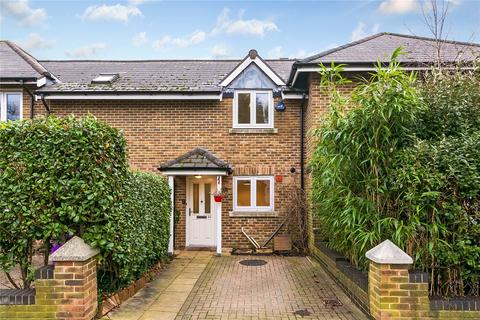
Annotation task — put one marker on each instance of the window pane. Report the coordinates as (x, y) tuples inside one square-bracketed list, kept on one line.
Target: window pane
[(244, 108), (261, 106), (207, 198), (243, 193), (196, 198), (13, 106), (263, 193)]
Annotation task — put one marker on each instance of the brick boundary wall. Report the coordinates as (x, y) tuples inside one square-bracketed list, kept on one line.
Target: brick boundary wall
[(352, 281), (392, 290), (67, 290), (396, 292)]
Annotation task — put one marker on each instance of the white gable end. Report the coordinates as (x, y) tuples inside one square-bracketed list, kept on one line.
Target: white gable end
[(252, 58)]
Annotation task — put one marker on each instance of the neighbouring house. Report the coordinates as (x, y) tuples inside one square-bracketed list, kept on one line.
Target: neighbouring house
[(236, 126)]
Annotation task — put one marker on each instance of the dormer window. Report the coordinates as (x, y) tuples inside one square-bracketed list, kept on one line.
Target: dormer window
[(253, 109), (106, 78)]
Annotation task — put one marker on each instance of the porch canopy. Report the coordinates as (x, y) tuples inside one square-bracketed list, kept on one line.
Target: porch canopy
[(197, 162)]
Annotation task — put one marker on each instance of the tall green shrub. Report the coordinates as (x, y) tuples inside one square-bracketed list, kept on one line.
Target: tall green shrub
[(400, 159), (437, 181), (356, 145), (57, 176), (69, 176), (139, 229)]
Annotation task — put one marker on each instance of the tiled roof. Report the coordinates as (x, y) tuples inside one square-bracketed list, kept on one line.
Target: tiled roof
[(381, 46), (17, 63), (198, 158), (153, 75)]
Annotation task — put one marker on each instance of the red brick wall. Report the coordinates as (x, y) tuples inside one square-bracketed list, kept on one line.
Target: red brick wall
[(317, 108), (158, 131)]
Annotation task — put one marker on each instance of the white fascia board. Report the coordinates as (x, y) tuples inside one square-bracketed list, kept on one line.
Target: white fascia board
[(133, 97), (316, 69), (194, 173), (293, 96), (359, 69), (262, 65)]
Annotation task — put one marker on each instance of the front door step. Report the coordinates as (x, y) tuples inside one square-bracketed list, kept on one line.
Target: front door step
[(202, 248)]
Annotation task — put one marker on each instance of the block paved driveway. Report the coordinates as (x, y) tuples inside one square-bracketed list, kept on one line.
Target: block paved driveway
[(222, 288), (284, 288)]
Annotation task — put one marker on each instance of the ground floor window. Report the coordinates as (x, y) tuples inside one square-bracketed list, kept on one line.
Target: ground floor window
[(253, 193), (10, 106)]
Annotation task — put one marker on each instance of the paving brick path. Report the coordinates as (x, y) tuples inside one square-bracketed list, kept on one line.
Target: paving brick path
[(284, 288), (198, 285)]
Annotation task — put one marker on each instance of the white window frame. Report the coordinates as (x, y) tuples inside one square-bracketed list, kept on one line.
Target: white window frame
[(253, 193), (253, 114), (3, 104)]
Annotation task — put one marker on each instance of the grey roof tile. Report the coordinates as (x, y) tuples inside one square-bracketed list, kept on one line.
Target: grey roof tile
[(381, 46), (17, 63), (146, 76), (197, 158)]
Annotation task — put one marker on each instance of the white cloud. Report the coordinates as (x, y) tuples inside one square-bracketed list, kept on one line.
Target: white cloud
[(300, 54), (220, 51), (398, 6), (359, 31), (137, 2), (278, 52), (275, 53), (22, 12), (87, 51), (116, 12), (252, 27), (35, 41), (139, 39), (180, 42)]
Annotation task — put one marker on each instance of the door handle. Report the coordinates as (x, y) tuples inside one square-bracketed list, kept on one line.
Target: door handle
[(189, 211)]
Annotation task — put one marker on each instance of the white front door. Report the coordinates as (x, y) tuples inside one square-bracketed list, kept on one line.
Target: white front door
[(200, 209)]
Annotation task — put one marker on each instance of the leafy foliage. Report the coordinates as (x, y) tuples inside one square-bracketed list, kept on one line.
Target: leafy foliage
[(57, 177), (69, 176), (399, 159), (139, 229)]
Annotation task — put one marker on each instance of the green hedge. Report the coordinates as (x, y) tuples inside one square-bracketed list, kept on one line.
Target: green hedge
[(57, 177), (139, 227), (67, 176), (399, 159)]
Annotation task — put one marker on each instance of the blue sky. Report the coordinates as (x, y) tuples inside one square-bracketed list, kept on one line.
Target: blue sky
[(148, 29)]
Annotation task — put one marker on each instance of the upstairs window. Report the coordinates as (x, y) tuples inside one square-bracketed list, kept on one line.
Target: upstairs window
[(252, 109), (10, 106)]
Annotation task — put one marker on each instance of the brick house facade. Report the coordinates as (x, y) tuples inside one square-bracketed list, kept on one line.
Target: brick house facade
[(232, 109)]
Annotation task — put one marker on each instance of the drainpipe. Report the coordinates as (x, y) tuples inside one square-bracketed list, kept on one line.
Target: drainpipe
[(45, 104), (302, 142)]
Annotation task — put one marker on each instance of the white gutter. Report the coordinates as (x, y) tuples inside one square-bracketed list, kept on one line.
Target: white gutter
[(132, 97), (359, 69), (293, 96), (193, 172)]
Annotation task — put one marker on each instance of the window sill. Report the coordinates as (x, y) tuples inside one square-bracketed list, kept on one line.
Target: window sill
[(253, 130), (253, 214)]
